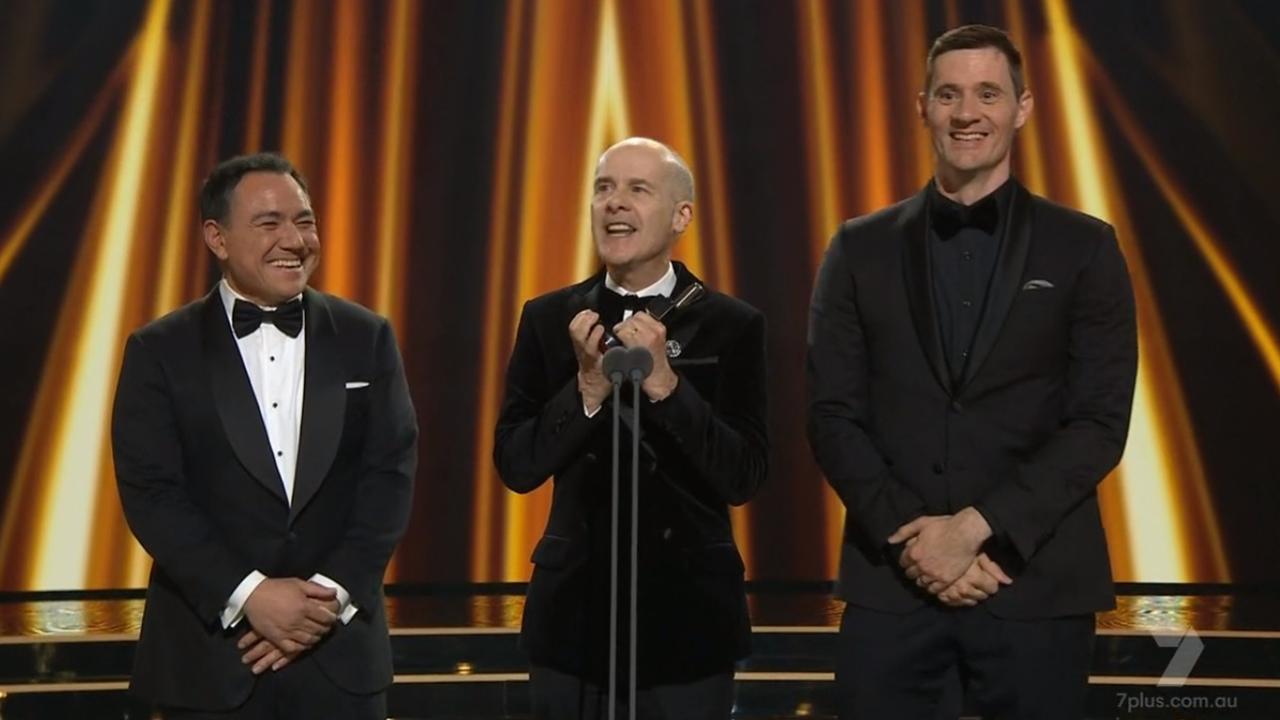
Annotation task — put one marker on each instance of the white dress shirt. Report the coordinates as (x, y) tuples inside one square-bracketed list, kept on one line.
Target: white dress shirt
[(275, 364)]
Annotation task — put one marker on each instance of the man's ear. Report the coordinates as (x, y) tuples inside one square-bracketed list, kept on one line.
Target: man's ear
[(682, 216), (214, 239), (1025, 105)]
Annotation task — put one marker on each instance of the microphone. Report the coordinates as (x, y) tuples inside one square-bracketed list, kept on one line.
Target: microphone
[(619, 364), (616, 364), (639, 363)]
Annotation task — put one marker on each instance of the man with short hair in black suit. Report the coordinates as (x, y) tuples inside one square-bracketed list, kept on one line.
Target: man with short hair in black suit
[(265, 446), (971, 365), (703, 448)]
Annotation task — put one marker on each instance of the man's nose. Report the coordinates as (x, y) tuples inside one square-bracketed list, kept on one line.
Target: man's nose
[(966, 110), (290, 236), (615, 201)]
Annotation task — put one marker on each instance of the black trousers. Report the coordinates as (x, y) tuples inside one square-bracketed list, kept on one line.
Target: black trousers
[(560, 696), (914, 665), (298, 691)]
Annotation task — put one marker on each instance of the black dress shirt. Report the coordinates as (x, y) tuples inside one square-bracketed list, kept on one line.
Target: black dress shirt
[(964, 242)]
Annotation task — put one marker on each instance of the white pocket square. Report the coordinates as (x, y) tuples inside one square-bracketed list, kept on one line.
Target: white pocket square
[(1037, 285), (357, 385)]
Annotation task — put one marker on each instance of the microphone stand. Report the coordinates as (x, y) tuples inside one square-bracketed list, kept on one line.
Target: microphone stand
[(613, 366), (634, 364), (641, 364)]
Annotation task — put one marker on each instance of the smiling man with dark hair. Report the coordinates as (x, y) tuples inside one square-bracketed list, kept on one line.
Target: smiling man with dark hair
[(971, 364), (265, 447)]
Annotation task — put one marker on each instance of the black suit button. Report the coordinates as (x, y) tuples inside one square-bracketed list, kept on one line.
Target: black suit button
[(938, 468), (956, 406), (292, 537), (666, 533), (591, 457)]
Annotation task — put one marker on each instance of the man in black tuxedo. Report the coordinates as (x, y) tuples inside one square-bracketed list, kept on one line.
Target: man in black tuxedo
[(972, 354), (704, 447), (265, 446)]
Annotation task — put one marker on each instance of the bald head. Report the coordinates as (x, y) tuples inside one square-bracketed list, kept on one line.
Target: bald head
[(679, 177)]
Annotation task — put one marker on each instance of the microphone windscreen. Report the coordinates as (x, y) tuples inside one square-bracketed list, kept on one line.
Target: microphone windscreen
[(640, 363), (616, 364)]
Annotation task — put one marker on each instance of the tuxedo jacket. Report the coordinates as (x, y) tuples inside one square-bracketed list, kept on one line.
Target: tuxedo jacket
[(704, 448), (1038, 419), (201, 491)]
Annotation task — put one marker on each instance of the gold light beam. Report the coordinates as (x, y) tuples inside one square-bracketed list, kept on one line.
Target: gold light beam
[(485, 561), (15, 239), (394, 182), (717, 221), (178, 245), (659, 100), (822, 154), (397, 144), (1030, 147), (1149, 483), (607, 119), (609, 122), (255, 112), (296, 131), (913, 30), (1251, 314), (820, 143), (342, 181), (876, 175), (62, 541)]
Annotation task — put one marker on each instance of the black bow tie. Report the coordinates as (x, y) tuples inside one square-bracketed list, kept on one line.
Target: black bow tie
[(247, 317), (634, 303), (949, 217), (615, 304)]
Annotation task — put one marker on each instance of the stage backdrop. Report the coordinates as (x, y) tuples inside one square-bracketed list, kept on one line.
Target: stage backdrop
[(450, 144)]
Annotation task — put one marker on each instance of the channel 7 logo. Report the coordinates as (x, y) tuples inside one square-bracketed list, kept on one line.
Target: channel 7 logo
[(1189, 646)]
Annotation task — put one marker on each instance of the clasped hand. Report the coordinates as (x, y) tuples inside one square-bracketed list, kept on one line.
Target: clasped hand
[(287, 617), (943, 556), (639, 330)]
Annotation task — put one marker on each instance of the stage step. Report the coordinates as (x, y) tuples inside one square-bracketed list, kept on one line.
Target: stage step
[(456, 656)]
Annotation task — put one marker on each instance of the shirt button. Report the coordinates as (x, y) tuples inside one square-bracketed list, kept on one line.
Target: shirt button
[(275, 405), (272, 358), (279, 453)]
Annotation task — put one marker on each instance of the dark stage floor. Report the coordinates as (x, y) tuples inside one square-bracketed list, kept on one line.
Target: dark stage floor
[(68, 655)]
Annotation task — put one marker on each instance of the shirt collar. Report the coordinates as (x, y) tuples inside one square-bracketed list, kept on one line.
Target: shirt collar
[(1001, 195), (230, 296), (665, 285)]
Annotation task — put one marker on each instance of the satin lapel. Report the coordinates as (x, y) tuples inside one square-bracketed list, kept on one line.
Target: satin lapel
[(234, 399), (1006, 281), (917, 274), (588, 299), (324, 403)]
